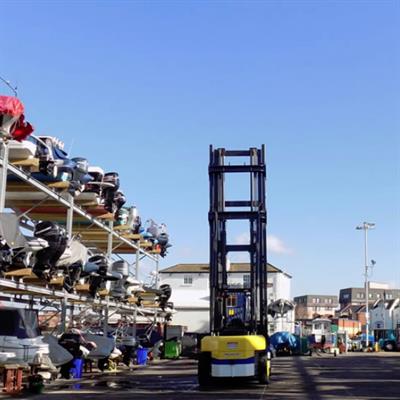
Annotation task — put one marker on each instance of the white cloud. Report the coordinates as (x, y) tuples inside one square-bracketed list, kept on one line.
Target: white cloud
[(274, 244)]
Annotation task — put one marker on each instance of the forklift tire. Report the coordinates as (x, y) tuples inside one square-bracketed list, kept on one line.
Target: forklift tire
[(263, 370), (204, 369)]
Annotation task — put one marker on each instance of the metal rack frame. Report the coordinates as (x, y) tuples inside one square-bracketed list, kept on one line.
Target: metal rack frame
[(13, 288)]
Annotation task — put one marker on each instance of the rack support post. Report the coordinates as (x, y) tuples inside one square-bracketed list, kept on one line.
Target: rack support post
[(3, 174)]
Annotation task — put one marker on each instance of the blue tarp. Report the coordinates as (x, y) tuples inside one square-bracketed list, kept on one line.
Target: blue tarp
[(287, 338), (371, 338)]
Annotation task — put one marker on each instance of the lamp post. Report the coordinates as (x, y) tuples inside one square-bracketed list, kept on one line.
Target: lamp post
[(365, 227)]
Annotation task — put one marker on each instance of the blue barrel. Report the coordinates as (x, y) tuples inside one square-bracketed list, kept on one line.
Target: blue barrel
[(141, 355), (77, 368)]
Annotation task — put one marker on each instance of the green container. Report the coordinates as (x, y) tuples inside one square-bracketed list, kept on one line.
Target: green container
[(172, 349), (304, 348)]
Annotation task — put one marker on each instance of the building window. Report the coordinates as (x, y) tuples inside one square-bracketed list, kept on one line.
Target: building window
[(318, 300), (314, 300), (330, 301), (388, 296), (231, 301), (246, 281), (346, 296), (317, 326), (188, 280), (378, 295)]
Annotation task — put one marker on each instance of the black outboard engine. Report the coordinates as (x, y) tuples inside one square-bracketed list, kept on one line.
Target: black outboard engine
[(165, 295), (112, 178), (119, 200), (96, 281), (72, 275), (46, 259), (6, 255)]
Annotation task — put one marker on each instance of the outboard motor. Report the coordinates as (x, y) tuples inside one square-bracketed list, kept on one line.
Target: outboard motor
[(71, 262), (53, 160), (165, 295), (80, 175), (122, 216), (47, 258), (118, 287), (119, 200), (159, 236), (6, 255), (163, 237), (96, 279), (134, 220), (97, 268), (95, 185), (112, 179)]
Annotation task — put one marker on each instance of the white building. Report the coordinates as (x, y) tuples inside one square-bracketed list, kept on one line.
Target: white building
[(191, 293), (385, 314)]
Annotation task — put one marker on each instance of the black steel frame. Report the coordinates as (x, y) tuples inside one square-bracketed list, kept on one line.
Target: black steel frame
[(218, 216)]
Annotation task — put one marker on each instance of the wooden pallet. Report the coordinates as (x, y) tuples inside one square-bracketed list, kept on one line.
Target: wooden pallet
[(20, 273)]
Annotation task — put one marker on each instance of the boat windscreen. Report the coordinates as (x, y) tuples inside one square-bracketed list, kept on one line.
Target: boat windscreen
[(10, 231), (20, 323)]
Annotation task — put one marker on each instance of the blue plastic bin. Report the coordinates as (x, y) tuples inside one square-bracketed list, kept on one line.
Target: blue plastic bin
[(77, 368), (142, 356)]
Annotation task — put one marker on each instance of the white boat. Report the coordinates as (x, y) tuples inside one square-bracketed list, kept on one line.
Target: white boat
[(19, 334), (23, 150)]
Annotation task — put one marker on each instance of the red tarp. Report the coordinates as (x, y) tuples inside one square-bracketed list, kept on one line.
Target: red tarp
[(11, 106), (23, 129)]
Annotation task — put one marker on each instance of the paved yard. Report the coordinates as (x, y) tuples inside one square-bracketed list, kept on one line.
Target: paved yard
[(353, 376)]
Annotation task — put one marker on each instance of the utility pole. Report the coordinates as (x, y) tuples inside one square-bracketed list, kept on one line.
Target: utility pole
[(365, 227)]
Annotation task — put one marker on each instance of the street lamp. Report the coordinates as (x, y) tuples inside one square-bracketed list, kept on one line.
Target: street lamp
[(365, 227)]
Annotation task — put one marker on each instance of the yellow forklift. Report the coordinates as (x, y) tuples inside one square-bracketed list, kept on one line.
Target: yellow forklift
[(237, 344)]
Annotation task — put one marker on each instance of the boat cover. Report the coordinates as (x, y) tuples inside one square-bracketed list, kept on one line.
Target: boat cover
[(285, 338), (11, 106), (14, 108), (19, 322), (22, 130)]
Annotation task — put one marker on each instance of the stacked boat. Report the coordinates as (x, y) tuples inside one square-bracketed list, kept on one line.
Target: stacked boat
[(78, 263)]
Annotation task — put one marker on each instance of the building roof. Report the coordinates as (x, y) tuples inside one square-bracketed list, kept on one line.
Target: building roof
[(352, 309), (317, 295), (235, 267)]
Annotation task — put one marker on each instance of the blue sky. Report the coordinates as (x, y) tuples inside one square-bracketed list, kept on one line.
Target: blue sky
[(143, 88)]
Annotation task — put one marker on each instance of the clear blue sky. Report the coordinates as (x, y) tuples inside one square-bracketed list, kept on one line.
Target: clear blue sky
[(144, 87)]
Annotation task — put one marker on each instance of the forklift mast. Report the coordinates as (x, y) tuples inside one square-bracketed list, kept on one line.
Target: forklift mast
[(221, 211)]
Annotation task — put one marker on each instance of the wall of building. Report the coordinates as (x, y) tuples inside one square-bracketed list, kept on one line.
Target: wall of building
[(195, 320), (191, 300)]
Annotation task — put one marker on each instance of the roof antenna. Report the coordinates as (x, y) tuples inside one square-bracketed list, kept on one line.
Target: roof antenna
[(70, 147), (8, 83)]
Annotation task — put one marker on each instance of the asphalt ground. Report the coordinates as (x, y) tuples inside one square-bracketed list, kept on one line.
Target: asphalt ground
[(353, 376)]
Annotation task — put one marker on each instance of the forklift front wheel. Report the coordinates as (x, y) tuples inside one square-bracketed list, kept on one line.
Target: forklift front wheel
[(264, 370), (204, 369)]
